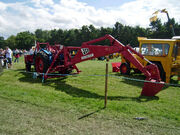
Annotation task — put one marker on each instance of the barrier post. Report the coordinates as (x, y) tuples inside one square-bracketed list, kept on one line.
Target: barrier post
[(106, 86), (1, 66)]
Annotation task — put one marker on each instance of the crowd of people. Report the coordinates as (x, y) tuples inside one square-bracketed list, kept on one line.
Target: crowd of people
[(8, 56)]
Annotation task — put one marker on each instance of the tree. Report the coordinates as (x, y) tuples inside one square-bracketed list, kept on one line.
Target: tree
[(11, 42), (2, 42), (177, 28), (159, 30), (25, 40), (42, 36), (94, 33), (85, 33), (170, 27), (57, 36), (138, 32), (75, 37)]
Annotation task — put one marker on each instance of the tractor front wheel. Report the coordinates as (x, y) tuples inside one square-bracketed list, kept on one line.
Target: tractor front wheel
[(125, 69)]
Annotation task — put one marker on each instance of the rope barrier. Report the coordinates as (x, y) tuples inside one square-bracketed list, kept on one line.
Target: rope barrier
[(120, 77), (139, 80), (35, 74)]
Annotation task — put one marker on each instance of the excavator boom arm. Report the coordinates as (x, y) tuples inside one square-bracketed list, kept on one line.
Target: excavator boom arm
[(88, 51)]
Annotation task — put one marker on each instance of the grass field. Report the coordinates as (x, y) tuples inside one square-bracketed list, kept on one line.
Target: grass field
[(74, 105)]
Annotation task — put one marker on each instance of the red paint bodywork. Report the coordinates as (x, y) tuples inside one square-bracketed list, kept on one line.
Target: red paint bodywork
[(89, 51)]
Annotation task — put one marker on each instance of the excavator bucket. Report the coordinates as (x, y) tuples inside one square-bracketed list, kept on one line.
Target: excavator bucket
[(151, 87), (152, 84)]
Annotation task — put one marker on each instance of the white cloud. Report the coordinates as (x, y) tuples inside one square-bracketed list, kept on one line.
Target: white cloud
[(2, 6), (66, 14), (40, 3)]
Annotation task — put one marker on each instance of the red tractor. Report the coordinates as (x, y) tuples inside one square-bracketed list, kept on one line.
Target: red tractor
[(61, 59)]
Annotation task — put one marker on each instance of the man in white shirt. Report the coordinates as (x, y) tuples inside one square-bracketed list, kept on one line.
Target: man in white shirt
[(8, 53)]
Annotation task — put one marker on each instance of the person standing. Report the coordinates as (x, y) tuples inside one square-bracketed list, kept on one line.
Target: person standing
[(8, 53), (16, 55), (1, 57)]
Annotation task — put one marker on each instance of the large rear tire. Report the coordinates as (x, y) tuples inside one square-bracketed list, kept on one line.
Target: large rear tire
[(125, 69), (41, 62), (161, 71)]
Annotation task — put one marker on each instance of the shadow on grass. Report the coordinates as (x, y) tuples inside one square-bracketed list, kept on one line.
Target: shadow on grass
[(91, 113), (172, 81), (132, 76), (139, 99), (137, 83), (60, 85), (30, 103)]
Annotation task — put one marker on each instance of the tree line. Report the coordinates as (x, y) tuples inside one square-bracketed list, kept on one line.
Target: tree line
[(75, 37)]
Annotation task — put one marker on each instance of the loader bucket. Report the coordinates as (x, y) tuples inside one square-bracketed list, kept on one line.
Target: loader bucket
[(151, 88)]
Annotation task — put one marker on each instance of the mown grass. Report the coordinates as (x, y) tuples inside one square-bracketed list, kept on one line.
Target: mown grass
[(74, 105)]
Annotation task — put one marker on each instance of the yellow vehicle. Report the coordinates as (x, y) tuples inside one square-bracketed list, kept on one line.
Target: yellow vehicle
[(165, 53)]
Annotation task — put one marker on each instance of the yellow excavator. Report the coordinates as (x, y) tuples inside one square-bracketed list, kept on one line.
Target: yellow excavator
[(165, 53)]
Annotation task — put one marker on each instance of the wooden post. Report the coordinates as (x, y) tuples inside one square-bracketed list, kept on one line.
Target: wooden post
[(1, 66), (106, 86)]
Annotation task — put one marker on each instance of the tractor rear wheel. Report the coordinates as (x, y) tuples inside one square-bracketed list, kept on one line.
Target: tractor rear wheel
[(125, 69), (41, 62)]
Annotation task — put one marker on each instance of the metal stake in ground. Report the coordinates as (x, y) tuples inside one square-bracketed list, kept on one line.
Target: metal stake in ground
[(106, 85)]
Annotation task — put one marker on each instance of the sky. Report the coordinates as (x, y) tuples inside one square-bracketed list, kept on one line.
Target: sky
[(28, 15)]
